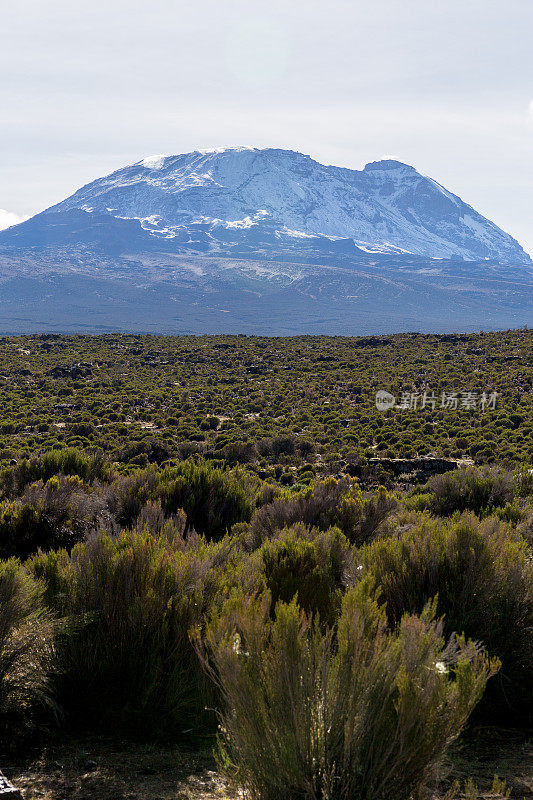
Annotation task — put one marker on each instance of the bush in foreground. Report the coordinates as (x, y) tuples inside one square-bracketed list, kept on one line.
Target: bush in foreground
[(27, 633), (482, 574), (125, 657), (357, 713)]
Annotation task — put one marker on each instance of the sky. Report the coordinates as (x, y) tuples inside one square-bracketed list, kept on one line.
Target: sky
[(88, 87)]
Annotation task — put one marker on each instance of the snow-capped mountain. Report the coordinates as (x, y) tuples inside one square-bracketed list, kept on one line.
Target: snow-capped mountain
[(262, 241), (386, 207)]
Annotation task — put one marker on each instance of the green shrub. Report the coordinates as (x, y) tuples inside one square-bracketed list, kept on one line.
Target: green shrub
[(325, 504), (359, 713), (126, 658), (213, 499), (69, 461), (27, 632), (483, 577), (511, 513), (469, 791), (148, 450), (307, 563), (471, 489), (24, 528)]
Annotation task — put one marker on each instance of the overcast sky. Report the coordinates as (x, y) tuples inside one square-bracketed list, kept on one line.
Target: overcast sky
[(88, 86)]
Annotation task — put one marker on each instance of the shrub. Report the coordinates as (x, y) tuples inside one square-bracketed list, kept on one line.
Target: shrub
[(326, 504), (69, 461), (148, 450), (213, 499), (153, 519), (277, 447), (25, 528), (525, 528), (483, 577), (49, 515), (469, 791), (471, 489), (239, 452), (27, 633), (129, 493), (126, 658), (359, 713), (307, 563)]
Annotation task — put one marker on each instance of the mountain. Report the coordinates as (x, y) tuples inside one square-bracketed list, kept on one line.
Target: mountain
[(270, 240), (388, 206)]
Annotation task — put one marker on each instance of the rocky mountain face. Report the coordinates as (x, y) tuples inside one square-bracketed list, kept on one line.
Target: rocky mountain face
[(234, 234)]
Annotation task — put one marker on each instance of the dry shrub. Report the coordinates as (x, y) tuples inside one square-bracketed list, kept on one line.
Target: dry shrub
[(129, 493), (153, 519), (49, 515), (326, 504), (358, 712)]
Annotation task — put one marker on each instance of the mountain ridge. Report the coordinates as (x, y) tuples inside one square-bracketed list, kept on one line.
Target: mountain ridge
[(387, 206), (261, 241)]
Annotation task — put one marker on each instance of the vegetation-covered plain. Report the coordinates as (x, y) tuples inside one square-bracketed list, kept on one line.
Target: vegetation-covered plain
[(306, 402), (207, 542)]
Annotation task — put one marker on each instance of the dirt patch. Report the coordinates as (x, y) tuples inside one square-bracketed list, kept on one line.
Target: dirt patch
[(98, 768), (488, 751)]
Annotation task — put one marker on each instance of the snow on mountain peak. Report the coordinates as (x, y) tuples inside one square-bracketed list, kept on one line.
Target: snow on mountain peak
[(153, 162), (389, 206), (218, 150)]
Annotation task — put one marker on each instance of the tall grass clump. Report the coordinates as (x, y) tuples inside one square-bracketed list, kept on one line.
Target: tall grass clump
[(358, 712), (27, 634), (482, 575), (129, 603)]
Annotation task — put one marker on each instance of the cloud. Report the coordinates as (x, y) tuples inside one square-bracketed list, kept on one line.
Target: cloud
[(7, 219)]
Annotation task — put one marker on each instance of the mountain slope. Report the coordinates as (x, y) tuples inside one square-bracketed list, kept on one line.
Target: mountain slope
[(386, 207), (261, 241)]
